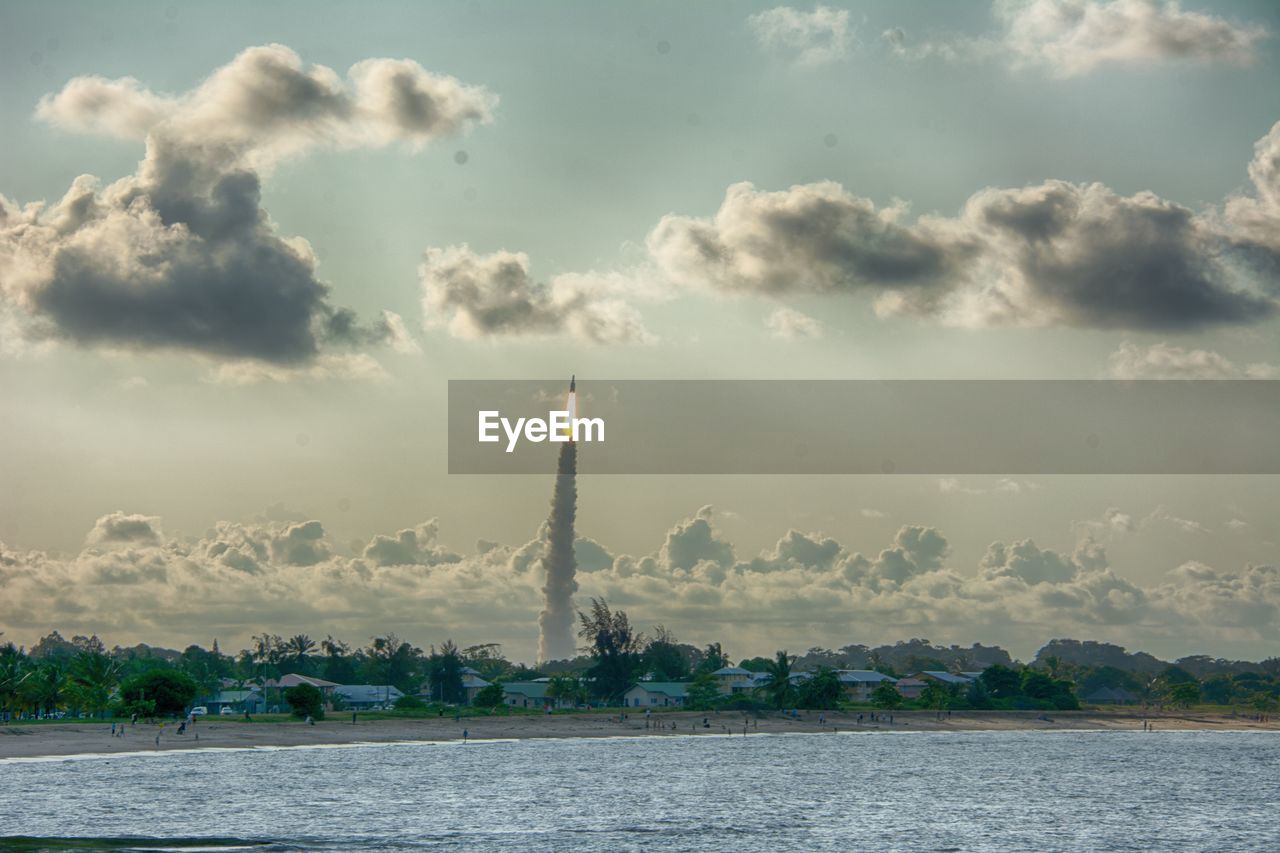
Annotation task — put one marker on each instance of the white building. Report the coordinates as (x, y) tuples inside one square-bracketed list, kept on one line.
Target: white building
[(656, 694)]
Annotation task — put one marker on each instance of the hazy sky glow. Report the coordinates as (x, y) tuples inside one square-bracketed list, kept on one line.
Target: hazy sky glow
[(243, 248)]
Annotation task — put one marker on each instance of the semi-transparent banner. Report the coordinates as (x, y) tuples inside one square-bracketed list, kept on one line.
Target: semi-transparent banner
[(866, 427)]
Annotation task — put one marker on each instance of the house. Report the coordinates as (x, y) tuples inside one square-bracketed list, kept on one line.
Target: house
[(472, 684), (239, 701), (660, 694), (948, 678), (363, 697), (910, 688), (531, 694), (293, 679), (732, 678), (859, 684)]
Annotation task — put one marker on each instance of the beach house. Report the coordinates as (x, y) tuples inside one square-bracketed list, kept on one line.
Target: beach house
[(660, 694), (531, 694), (364, 697), (950, 679), (859, 684), (730, 679), (472, 684)]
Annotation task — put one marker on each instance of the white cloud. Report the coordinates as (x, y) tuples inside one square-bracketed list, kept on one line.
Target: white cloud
[(1166, 361), (809, 38), (789, 324), (181, 255), (132, 583), (1075, 37), (494, 295), (1072, 38)]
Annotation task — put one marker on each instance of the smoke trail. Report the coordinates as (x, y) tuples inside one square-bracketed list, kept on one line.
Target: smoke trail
[(555, 622)]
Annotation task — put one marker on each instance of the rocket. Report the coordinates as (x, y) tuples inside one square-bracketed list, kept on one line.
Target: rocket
[(571, 405)]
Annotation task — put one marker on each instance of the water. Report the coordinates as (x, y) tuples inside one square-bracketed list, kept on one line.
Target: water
[(947, 791)]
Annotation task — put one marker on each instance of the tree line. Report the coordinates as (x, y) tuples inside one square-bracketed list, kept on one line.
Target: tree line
[(81, 676)]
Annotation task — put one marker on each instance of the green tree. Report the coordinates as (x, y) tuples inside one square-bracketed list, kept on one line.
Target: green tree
[(1184, 694), (566, 688), (297, 650), (338, 665), (489, 697), (305, 700), (703, 692), (444, 674), (937, 695), (664, 658), (392, 661), (821, 690), (45, 686), (1037, 684), (1001, 681), (614, 647), (13, 669), (886, 696), (166, 692), (778, 688), (93, 676), (713, 658)]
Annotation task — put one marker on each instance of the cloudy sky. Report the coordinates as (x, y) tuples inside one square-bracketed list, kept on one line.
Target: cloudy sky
[(242, 250)]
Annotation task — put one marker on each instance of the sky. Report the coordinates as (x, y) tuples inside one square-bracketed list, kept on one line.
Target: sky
[(244, 247)]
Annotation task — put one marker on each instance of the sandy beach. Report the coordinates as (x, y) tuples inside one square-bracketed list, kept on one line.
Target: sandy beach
[(83, 737)]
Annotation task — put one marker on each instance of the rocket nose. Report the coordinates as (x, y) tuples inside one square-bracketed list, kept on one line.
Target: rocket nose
[(572, 380)]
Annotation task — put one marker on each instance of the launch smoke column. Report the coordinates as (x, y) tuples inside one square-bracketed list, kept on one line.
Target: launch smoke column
[(555, 622)]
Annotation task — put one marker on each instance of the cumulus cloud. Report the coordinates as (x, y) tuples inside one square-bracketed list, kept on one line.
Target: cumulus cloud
[(809, 38), (413, 546), (1166, 361), (117, 527), (131, 582), (814, 238), (1051, 254), (494, 295), (789, 324), (181, 255), (1072, 38)]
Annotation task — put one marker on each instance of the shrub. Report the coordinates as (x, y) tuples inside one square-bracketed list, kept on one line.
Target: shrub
[(165, 692), (305, 701), (409, 703), (489, 697)]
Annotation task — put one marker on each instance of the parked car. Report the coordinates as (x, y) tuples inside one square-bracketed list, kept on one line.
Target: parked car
[(226, 711), (199, 711)]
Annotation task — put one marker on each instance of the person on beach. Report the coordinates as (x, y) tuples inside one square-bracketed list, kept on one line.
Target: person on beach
[(465, 735), (113, 729), (353, 716)]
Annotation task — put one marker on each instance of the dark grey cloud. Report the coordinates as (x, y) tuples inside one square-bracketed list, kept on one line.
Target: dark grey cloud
[(814, 238), (182, 255), (1055, 253), (1085, 256)]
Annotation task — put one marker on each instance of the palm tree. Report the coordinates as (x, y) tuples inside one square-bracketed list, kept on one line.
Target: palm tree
[(778, 687), (299, 647), (13, 669), (44, 687), (93, 676)]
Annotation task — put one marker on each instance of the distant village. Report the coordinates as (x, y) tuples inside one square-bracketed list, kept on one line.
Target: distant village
[(619, 668)]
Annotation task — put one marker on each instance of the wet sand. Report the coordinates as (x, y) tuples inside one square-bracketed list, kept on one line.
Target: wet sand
[(83, 737)]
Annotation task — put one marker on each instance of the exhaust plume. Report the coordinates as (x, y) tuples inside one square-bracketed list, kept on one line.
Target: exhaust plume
[(555, 622)]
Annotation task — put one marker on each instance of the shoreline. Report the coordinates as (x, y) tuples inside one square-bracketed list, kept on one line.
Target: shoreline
[(93, 739)]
